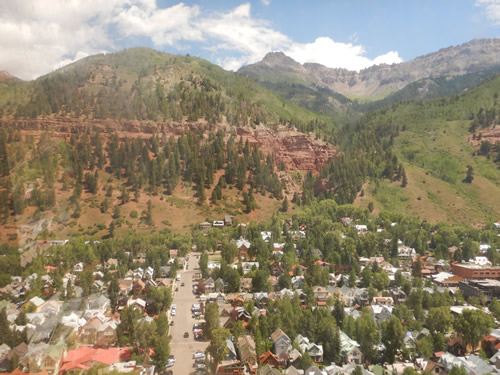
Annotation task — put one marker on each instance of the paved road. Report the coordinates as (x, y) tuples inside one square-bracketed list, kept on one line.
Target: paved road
[(184, 348)]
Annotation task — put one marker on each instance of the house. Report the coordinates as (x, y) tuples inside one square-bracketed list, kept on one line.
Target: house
[(282, 343), (315, 352), (297, 282), (266, 236), (346, 221), (381, 313), (228, 220), (36, 302), (269, 359), (138, 287), (349, 349), (267, 369), (4, 350), (231, 351), (83, 358), (243, 246), (320, 294), (322, 264), (455, 347), (125, 286), (261, 299), (313, 370), (248, 266), (78, 267), (246, 284), (106, 334), (275, 268), (496, 225), (387, 301), (209, 285), (361, 228), (406, 252), (246, 349), (361, 296), (111, 263), (472, 364), (230, 367)]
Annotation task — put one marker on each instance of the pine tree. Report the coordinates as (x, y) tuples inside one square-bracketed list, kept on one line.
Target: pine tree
[(149, 214), (284, 207), (470, 175)]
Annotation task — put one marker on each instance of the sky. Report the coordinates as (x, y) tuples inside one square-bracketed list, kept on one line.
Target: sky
[(39, 36)]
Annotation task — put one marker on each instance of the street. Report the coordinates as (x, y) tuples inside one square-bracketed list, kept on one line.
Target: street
[(183, 348)]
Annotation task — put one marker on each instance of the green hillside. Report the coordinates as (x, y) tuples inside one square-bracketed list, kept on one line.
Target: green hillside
[(144, 84), (434, 145)]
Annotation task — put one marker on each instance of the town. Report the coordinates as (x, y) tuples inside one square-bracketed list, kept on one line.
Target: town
[(330, 291)]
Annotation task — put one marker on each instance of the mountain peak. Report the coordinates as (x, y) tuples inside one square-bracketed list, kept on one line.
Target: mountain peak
[(279, 59), (6, 77)]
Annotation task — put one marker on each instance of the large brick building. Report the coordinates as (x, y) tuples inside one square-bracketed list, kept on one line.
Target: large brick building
[(475, 271)]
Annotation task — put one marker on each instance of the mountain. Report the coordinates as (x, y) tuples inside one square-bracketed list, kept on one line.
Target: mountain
[(8, 79), (439, 140), (438, 72), (115, 132)]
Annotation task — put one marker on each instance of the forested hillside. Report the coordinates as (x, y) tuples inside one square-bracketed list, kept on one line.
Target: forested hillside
[(143, 140), (452, 174)]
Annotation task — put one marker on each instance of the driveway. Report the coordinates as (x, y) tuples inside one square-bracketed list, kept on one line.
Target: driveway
[(184, 348)]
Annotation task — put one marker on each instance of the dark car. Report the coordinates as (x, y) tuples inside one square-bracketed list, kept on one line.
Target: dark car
[(186, 335), (182, 284)]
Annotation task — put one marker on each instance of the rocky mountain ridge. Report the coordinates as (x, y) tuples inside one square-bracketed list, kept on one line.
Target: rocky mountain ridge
[(380, 80)]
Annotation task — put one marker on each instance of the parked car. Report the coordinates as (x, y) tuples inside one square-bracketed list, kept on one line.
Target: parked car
[(172, 323), (182, 284), (198, 355), (186, 335)]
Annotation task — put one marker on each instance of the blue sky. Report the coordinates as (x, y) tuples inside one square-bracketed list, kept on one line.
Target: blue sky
[(39, 36)]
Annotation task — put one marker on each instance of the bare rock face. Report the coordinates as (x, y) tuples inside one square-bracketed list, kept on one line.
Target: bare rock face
[(470, 57), (297, 150)]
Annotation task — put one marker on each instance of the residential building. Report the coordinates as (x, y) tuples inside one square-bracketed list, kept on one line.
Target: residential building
[(282, 343)]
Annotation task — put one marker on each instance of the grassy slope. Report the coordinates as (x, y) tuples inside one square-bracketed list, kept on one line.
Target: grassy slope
[(436, 153)]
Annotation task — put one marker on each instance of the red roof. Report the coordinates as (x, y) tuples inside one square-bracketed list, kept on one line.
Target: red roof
[(84, 357)]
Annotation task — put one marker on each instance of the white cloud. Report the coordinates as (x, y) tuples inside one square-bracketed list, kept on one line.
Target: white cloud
[(332, 54), (238, 31), (492, 8), (38, 37), (265, 2), (164, 26)]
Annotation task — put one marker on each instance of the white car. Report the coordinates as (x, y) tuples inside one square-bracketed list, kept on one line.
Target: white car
[(171, 361), (199, 355), (173, 312), (174, 306)]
